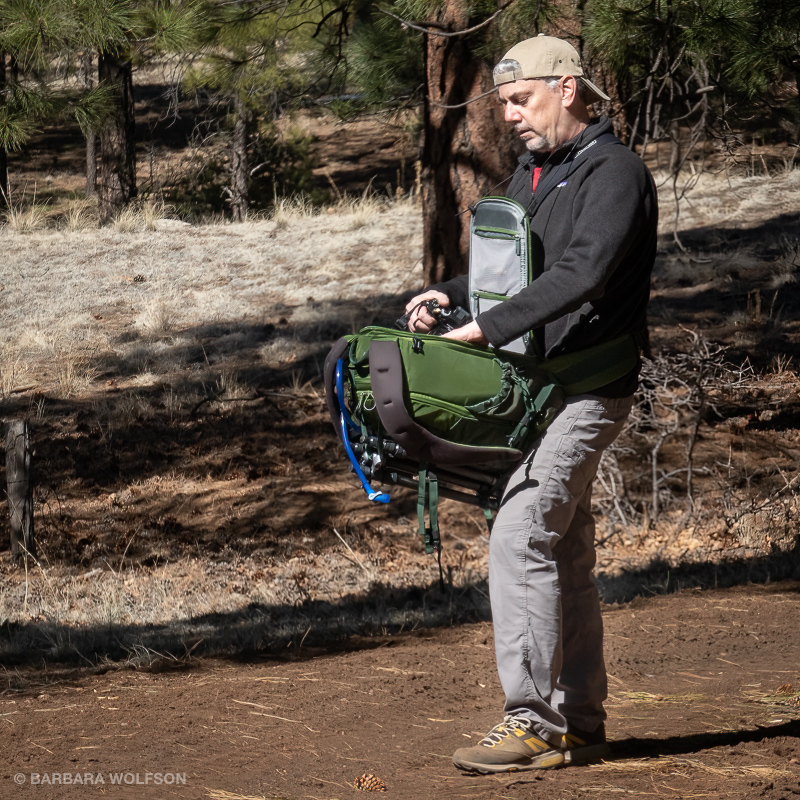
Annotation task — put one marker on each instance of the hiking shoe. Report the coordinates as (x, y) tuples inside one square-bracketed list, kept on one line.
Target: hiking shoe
[(511, 746), (581, 748)]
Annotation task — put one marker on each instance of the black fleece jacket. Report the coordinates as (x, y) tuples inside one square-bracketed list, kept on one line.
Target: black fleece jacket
[(595, 239)]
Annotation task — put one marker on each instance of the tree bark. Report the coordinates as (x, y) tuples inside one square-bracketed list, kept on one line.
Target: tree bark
[(4, 189), (116, 178), (91, 136), (238, 187), (20, 498), (465, 152)]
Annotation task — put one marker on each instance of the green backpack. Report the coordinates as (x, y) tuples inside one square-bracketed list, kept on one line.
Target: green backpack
[(448, 418)]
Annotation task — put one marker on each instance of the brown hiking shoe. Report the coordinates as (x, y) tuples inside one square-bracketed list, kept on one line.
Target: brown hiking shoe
[(581, 748), (511, 746)]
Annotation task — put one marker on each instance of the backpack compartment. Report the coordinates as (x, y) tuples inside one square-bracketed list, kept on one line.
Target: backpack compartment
[(500, 257), (465, 395)]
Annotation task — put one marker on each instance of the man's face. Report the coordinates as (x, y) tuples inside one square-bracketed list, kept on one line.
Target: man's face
[(536, 111)]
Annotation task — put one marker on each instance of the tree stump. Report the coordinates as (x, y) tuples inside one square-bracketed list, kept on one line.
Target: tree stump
[(20, 496)]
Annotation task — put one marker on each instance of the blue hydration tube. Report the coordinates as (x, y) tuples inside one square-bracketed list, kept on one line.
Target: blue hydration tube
[(346, 420)]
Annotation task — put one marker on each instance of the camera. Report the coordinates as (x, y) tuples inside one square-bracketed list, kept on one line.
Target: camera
[(447, 319)]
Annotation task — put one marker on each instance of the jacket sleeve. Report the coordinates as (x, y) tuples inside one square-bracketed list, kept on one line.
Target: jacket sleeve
[(607, 211), (457, 289)]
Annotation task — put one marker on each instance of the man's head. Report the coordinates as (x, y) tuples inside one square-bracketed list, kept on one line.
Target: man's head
[(541, 84)]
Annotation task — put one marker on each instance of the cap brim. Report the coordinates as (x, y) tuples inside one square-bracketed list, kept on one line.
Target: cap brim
[(593, 94)]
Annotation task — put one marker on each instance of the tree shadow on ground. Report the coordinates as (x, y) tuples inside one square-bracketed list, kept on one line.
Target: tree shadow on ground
[(106, 450), (315, 627), (697, 742)]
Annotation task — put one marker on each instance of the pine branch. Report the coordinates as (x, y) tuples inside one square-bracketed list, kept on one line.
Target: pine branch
[(429, 28)]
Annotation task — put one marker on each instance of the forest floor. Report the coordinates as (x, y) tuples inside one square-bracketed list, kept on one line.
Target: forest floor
[(215, 599)]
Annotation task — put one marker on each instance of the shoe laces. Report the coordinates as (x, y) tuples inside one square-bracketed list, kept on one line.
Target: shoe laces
[(509, 724)]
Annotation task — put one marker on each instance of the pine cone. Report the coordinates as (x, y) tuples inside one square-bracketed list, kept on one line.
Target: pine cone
[(369, 783)]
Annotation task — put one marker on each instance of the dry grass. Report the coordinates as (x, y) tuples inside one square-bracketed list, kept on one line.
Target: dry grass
[(786, 695), (717, 199), (80, 215), (687, 766), (75, 370), (362, 210), (157, 318), (288, 211), (647, 697), (150, 302), (168, 289), (25, 218), (141, 215), (12, 370)]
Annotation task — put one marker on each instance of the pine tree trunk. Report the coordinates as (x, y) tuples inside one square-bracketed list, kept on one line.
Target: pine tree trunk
[(238, 187), (4, 189), (465, 152), (20, 498), (91, 164), (116, 178), (91, 136)]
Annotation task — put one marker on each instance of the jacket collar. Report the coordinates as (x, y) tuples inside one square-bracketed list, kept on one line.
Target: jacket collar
[(597, 126)]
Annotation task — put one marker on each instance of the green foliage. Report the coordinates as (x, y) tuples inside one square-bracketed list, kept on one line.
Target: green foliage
[(698, 61), (385, 61), (15, 129), (521, 20), (23, 108), (284, 166), (31, 29), (176, 27), (105, 25), (766, 46), (258, 61), (92, 107)]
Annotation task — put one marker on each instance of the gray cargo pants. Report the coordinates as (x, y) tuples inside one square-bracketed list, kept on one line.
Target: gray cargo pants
[(546, 612)]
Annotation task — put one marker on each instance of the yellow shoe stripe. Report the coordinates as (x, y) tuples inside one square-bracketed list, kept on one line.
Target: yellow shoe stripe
[(536, 744)]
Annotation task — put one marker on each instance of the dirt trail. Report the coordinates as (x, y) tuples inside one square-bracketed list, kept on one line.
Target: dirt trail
[(704, 702)]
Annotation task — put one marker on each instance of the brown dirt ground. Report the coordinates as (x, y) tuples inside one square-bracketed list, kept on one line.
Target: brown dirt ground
[(704, 702)]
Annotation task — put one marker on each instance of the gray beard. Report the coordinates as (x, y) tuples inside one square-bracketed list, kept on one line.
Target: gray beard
[(539, 145)]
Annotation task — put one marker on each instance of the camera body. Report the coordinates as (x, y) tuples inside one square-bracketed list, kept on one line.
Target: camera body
[(447, 319)]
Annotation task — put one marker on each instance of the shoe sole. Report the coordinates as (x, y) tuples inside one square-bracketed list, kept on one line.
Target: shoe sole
[(545, 761)]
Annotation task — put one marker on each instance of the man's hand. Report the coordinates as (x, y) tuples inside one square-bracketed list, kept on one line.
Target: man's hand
[(470, 332), (421, 321)]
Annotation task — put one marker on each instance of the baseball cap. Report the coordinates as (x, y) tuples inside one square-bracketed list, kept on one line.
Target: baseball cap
[(544, 57)]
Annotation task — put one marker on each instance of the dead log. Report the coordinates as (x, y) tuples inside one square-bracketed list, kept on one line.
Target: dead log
[(19, 493)]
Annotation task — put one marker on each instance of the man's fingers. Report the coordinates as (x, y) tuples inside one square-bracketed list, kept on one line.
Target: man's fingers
[(421, 321), (443, 299)]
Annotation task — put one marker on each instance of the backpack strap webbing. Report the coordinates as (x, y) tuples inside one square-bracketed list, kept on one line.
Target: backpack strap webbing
[(586, 370), (329, 379), (428, 500)]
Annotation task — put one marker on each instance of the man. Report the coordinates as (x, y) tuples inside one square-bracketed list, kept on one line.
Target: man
[(595, 231)]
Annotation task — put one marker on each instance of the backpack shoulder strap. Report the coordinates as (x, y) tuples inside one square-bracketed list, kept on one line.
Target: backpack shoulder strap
[(329, 378), (586, 370)]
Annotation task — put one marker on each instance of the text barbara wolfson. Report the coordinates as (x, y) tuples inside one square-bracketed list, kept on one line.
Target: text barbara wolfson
[(100, 778)]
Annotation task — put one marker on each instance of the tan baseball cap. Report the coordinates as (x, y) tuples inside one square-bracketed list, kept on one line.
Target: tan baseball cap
[(544, 57)]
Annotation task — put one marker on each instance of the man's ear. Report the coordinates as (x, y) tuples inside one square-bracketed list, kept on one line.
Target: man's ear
[(569, 91)]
